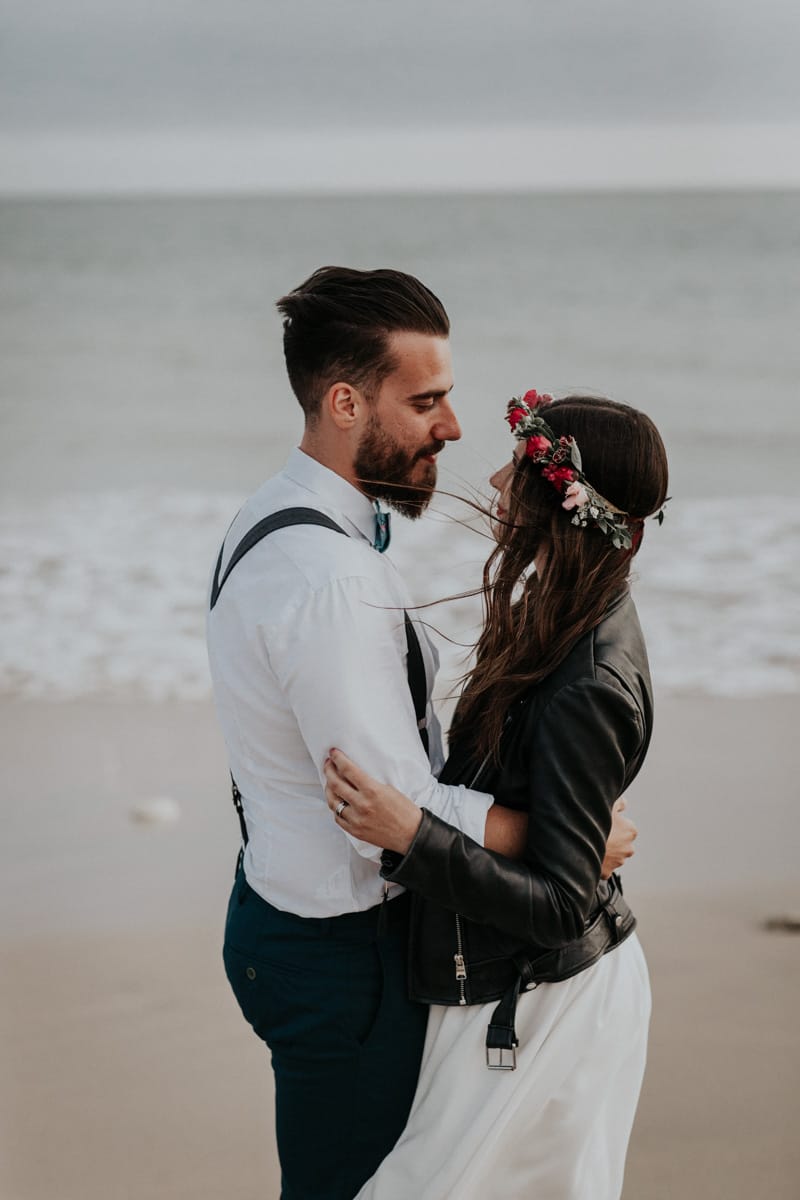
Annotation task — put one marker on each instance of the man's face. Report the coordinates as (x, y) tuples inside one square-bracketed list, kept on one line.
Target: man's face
[(409, 422)]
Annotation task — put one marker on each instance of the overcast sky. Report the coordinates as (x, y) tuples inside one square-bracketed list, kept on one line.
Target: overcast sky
[(170, 80)]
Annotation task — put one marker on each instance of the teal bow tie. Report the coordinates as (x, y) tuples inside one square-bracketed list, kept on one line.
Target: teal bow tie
[(382, 531)]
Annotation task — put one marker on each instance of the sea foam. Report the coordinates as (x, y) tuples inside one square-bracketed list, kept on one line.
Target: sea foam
[(104, 594)]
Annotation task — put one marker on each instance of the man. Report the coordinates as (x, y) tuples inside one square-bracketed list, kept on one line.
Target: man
[(308, 648)]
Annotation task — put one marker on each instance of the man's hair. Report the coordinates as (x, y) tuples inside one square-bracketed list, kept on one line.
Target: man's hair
[(336, 327)]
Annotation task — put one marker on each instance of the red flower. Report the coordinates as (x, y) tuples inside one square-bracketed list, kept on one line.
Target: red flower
[(514, 416), (535, 399), (558, 476), (537, 447)]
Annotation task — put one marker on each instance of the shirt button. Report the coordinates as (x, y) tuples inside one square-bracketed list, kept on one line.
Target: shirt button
[(250, 972)]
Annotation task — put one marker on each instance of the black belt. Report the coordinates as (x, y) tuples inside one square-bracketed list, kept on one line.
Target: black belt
[(612, 924)]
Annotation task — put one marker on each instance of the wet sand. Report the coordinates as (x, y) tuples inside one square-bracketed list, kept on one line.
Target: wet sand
[(129, 1073)]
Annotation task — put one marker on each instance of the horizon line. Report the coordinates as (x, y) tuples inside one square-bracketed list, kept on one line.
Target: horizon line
[(488, 160)]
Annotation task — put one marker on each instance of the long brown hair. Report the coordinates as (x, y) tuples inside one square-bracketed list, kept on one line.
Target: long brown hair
[(533, 619)]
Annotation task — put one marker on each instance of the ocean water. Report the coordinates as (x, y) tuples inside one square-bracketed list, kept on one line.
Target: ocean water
[(142, 397)]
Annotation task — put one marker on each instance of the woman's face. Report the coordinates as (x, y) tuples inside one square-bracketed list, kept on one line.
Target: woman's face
[(501, 481)]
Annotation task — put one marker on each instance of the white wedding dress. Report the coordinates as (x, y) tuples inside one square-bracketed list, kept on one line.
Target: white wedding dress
[(557, 1127)]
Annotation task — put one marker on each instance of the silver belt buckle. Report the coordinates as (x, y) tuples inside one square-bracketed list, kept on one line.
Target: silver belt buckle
[(496, 1059)]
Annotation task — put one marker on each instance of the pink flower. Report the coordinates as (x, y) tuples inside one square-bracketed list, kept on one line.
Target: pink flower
[(576, 497), (537, 446), (535, 399), (515, 415)]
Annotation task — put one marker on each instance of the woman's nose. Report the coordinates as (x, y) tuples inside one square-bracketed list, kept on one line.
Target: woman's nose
[(498, 480)]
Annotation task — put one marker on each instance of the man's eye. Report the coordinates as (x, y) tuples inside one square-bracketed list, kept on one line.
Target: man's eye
[(423, 405)]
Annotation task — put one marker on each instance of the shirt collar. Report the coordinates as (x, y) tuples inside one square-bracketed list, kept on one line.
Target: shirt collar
[(333, 490)]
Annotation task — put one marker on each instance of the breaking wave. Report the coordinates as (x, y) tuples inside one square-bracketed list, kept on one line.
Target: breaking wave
[(104, 594)]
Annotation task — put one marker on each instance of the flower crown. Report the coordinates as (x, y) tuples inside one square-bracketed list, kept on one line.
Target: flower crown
[(559, 461)]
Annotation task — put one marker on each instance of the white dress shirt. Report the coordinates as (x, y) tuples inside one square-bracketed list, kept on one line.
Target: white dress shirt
[(307, 649)]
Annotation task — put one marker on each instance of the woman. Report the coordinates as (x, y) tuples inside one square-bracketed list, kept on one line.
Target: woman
[(555, 720)]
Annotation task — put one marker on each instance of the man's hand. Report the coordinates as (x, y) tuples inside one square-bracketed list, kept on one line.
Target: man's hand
[(619, 846), (506, 831)]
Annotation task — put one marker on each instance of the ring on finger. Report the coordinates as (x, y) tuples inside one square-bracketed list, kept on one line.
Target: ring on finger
[(340, 807)]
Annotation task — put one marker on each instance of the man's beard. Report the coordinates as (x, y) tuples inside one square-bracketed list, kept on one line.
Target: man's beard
[(383, 469)]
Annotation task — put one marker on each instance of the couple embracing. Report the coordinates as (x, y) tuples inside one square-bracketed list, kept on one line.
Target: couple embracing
[(437, 953)]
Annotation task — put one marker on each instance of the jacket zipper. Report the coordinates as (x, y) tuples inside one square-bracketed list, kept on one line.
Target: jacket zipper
[(458, 957), (461, 966)]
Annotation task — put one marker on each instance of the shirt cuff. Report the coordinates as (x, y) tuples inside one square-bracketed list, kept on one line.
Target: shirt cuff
[(473, 807)]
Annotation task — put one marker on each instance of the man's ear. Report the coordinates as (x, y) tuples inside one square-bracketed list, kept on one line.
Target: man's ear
[(344, 403)]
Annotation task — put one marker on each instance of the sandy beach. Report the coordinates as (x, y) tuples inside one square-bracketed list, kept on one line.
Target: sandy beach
[(143, 395), (128, 1073)]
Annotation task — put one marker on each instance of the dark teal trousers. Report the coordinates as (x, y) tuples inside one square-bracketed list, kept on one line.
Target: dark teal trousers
[(329, 998)]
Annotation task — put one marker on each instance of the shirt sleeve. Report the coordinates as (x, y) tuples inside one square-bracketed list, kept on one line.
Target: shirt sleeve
[(340, 659)]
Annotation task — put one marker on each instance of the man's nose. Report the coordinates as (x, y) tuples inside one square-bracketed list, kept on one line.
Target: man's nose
[(446, 428)]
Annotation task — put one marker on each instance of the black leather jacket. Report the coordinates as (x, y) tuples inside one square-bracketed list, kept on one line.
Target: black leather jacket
[(483, 924)]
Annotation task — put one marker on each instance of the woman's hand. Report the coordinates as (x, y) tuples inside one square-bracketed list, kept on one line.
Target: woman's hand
[(374, 812), (619, 846)]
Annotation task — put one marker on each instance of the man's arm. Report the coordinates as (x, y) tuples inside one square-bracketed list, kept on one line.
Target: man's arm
[(579, 753), (507, 833), (578, 756), (340, 660), (382, 816)]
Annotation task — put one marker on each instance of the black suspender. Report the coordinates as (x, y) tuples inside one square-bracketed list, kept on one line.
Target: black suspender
[(417, 681), (278, 520)]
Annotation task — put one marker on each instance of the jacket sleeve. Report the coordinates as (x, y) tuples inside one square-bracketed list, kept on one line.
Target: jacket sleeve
[(578, 759)]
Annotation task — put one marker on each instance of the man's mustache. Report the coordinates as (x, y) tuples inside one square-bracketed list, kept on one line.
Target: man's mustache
[(436, 448)]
